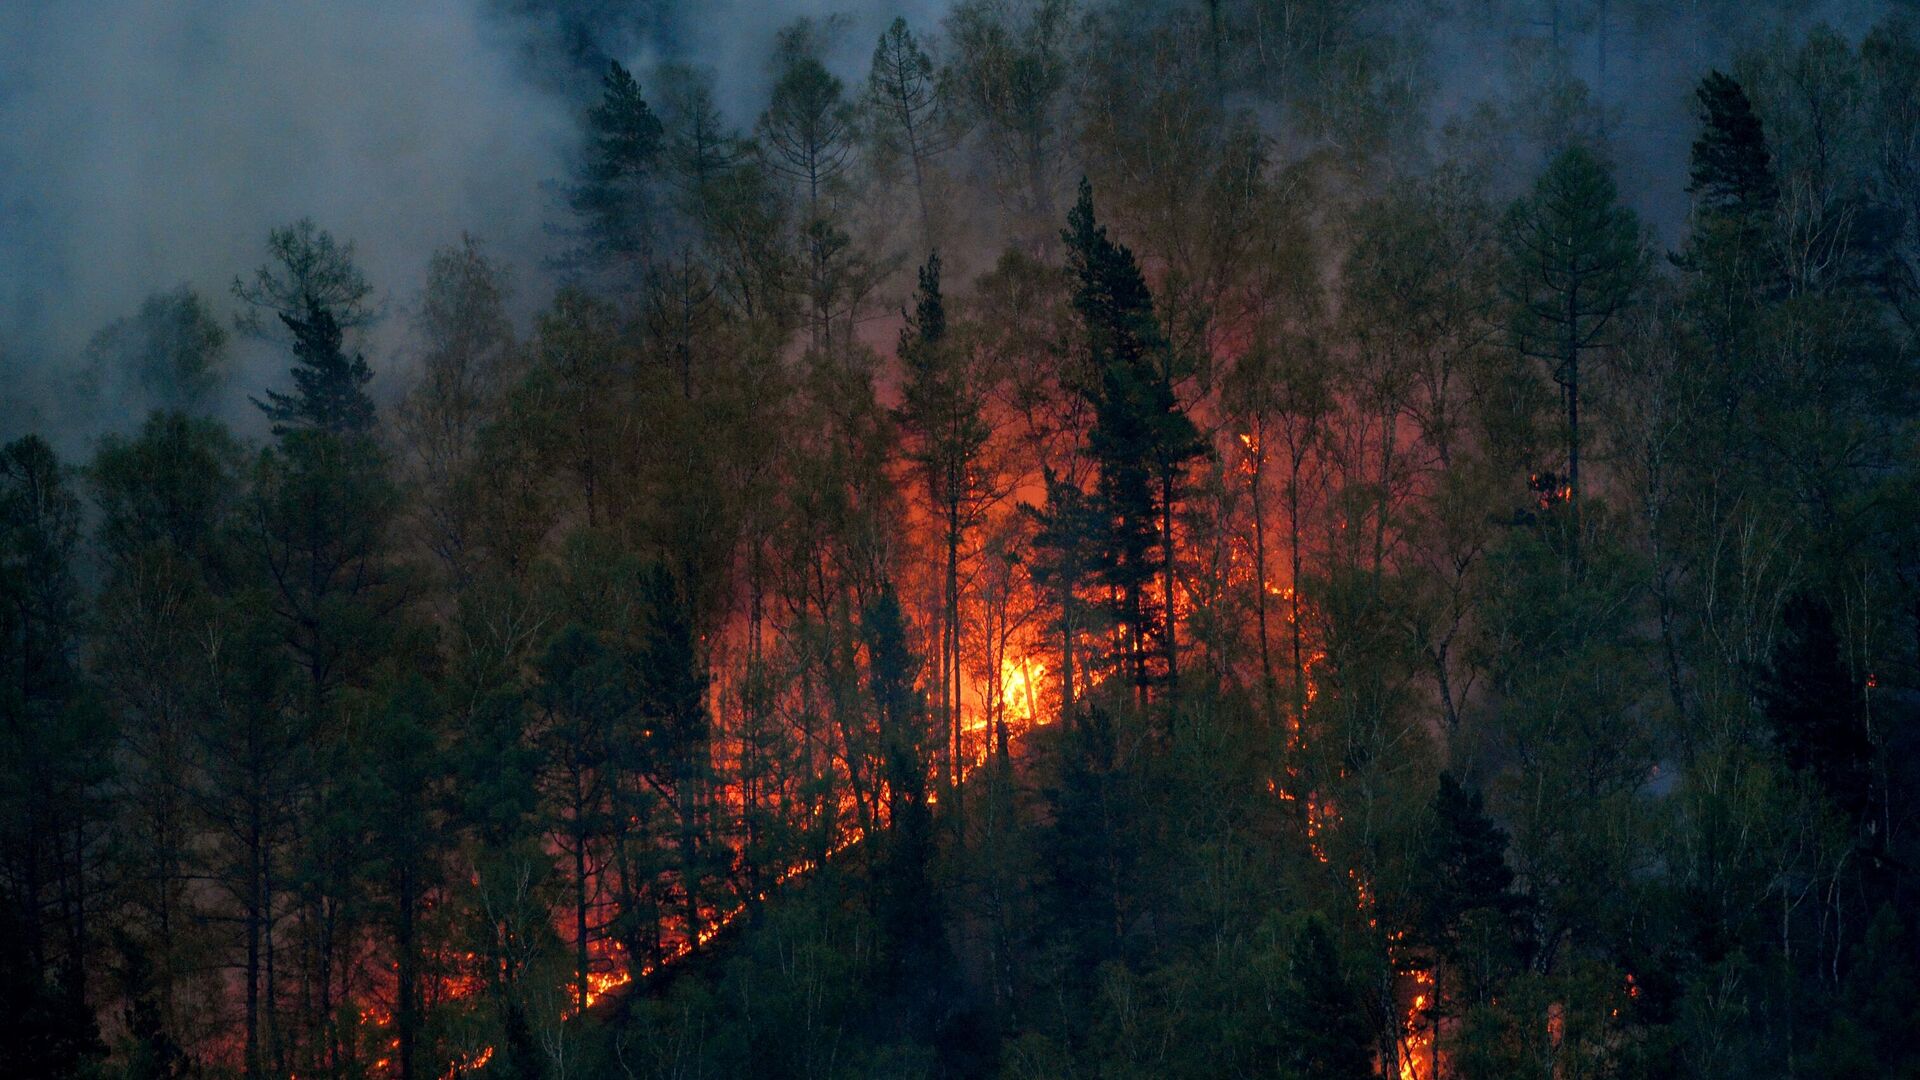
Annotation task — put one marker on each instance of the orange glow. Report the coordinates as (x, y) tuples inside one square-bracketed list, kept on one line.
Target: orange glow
[(1020, 681), (1418, 1058), (471, 1063), (600, 982)]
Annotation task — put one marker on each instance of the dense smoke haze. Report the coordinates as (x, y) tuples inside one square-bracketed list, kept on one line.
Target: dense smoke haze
[(148, 144), (959, 539)]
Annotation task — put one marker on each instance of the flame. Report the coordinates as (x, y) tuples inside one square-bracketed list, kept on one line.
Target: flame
[(1418, 1058), (1415, 1050), (1020, 681), (470, 1063), (599, 983)]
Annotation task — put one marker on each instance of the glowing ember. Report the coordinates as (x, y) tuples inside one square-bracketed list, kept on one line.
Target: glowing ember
[(472, 1063), (1417, 1055)]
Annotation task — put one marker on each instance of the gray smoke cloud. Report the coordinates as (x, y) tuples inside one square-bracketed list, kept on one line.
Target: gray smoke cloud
[(149, 143)]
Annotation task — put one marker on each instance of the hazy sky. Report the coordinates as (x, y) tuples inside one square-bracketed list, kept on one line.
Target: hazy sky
[(146, 143)]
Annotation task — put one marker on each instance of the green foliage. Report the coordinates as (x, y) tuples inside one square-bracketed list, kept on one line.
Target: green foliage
[(173, 351), (312, 288), (1732, 170), (1470, 915), (1575, 259), (1142, 440), (1322, 1018), (1816, 707), (614, 196), (1362, 752), (329, 388), (51, 776), (307, 272), (808, 125)]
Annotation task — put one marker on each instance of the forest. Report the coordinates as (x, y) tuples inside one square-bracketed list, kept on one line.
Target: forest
[(1105, 539)]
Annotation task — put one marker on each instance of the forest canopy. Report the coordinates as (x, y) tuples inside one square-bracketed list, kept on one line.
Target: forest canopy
[(1092, 539)]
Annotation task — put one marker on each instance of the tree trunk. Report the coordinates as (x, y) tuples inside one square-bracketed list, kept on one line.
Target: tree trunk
[(1293, 596), (1269, 692), (255, 930), (580, 957), (406, 979), (1572, 359), (1167, 485)]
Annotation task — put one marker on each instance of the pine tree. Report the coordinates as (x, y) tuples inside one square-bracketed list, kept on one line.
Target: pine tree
[(307, 271), (315, 540), (613, 195), (1732, 167), (1063, 567), (256, 755), (580, 699), (1326, 1032), (52, 819), (908, 105), (312, 289), (1142, 439), (807, 131), (330, 389), (808, 125), (942, 416), (677, 737), (167, 499), (397, 776), (1730, 270), (1816, 707), (1468, 906), (909, 910), (1091, 845), (1575, 259)]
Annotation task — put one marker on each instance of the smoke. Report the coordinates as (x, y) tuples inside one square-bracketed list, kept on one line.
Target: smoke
[(146, 144), (564, 45), (150, 143), (1638, 65)]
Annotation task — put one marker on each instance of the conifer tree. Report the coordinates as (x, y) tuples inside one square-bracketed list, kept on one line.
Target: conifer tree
[(166, 500), (1063, 567), (909, 912), (1326, 1033), (909, 109), (1732, 166), (807, 132), (52, 820), (313, 289), (580, 700), (399, 773), (613, 195), (330, 388), (1816, 708), (942, 415), (672, 689), (1091, 846), (1142, 439), (1469, 909), (808, 125), (1575, 258)]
